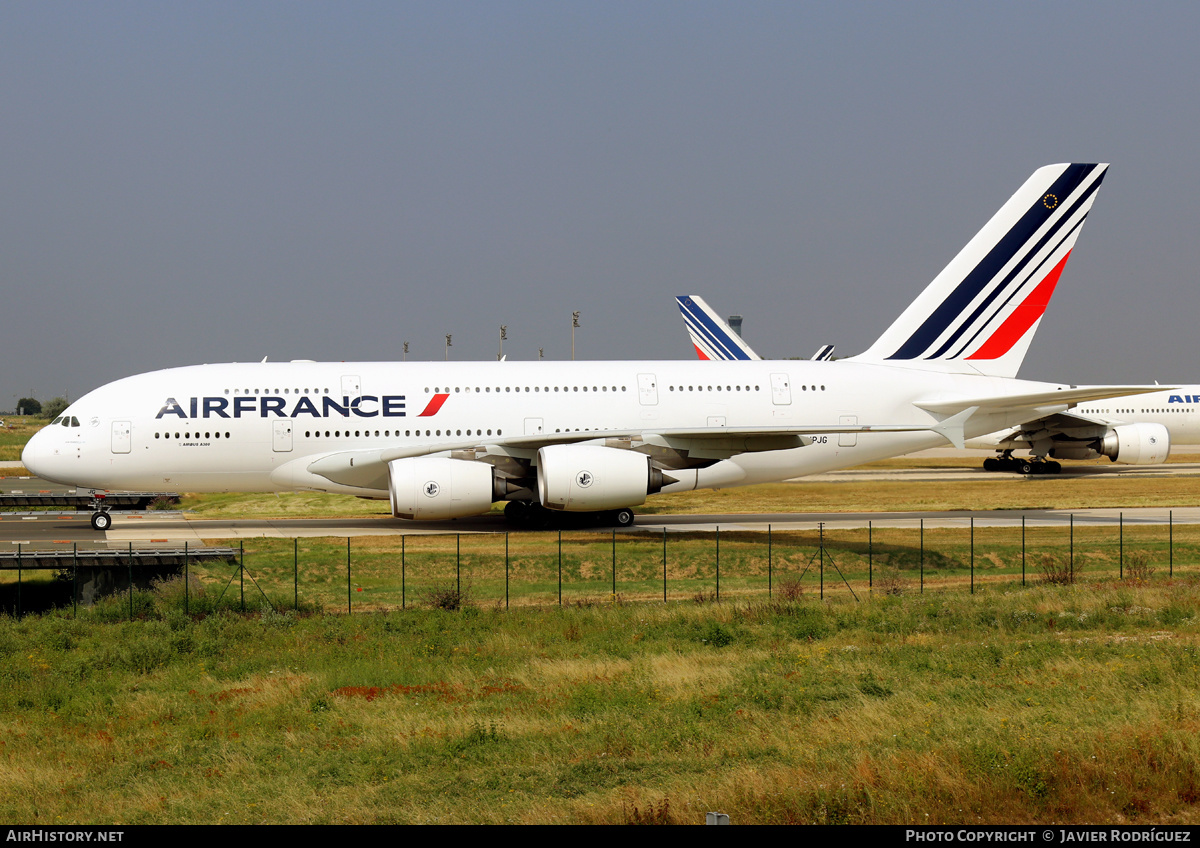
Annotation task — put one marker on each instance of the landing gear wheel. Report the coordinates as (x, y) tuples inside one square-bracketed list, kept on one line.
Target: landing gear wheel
[(992, 463), (1053, 467), (623, 517), (1025, 468), (516, 513), (101, 521)]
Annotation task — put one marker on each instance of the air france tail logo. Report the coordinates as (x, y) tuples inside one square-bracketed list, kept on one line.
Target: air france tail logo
[(266, 406)]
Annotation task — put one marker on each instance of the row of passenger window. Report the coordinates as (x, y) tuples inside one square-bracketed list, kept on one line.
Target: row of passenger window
[(337, 434), (519, 389), (196, 435), (278, 392)]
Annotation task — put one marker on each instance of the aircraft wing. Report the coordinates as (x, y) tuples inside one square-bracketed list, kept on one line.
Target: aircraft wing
[(368, 468), (1033, 400)]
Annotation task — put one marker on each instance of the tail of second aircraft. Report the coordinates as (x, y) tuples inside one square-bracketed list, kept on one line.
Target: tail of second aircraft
[(980, 313), (710, 335)]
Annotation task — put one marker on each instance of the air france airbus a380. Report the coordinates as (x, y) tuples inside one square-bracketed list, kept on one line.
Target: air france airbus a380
[(444, 440)]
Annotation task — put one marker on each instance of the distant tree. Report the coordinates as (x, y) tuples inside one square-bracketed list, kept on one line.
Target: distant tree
[(29, 406), (54, 408)]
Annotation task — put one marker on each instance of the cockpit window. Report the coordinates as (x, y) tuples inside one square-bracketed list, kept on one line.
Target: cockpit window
[(56, 420), (74, 421)]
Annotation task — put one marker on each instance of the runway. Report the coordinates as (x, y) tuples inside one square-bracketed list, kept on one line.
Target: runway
[(51, 531), (43, 530)]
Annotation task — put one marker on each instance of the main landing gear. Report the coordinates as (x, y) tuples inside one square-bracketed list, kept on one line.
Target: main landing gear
[(1034, 465), (534, 516)]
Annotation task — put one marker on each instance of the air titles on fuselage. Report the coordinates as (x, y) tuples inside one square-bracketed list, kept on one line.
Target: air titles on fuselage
[(265, 406)]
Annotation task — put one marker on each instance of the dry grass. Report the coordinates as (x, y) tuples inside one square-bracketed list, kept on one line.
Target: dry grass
[(1052, 704)]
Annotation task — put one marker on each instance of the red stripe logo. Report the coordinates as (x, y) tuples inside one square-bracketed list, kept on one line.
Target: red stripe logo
[(434, 405), (1022, 318)]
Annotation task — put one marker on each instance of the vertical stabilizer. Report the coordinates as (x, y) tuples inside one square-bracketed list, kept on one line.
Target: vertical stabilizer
[(980, 313), (710, 335)]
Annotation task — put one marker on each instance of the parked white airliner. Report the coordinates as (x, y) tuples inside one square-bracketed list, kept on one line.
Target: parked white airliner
[(1134, 431), (443, 440)]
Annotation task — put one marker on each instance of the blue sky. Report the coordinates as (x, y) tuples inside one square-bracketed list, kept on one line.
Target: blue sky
[(209, 182)]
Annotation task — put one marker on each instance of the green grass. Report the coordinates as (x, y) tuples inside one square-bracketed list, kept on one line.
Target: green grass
[(1068, 704), (15, 433)]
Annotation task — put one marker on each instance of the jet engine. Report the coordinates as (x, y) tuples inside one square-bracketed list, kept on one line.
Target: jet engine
[(433, 488), (1137, 444), (586, 478)]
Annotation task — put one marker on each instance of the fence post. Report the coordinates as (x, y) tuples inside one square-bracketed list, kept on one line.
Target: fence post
[(769, 561), (718, 563), (664, 563), (972, 555), (130, 566), (349, 596), (560, 567), (614, 563), (403, 540), (296, 574), (821, 551), (1121, 546), (241, 571), (1171, 543), (458, 563), (74, 580), (506, 569), (870, 559), (1072, 548), (1022, 550), (922, 556), (19, 561), (186, 594)]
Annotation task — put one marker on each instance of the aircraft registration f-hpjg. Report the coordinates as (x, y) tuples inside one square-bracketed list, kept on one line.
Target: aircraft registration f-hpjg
[(445, 440)]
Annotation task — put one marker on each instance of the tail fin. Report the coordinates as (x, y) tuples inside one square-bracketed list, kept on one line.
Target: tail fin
[(711, 336), (979, 315)]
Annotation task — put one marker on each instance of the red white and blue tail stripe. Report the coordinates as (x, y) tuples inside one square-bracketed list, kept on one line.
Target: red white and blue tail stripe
[(981, 312), (710, 335)]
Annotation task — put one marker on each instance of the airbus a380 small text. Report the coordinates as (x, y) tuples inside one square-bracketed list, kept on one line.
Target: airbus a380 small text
[(443, 440)]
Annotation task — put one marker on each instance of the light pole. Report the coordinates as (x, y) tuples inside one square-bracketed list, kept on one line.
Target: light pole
[(447, 347), (574, 324), (406, 351), (503, 336)]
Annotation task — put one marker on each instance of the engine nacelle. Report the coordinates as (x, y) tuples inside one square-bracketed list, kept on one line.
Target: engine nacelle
[(586, 478), (434, 488), (1137, 444)]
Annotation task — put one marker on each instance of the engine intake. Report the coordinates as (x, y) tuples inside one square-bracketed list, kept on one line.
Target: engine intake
[(1136, 444), (585, 478), (436, 488)]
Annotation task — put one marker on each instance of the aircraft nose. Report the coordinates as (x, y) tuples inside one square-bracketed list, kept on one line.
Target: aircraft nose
[(43, 457)]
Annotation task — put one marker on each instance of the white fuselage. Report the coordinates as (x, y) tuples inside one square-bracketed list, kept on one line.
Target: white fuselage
[(257, 427)]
